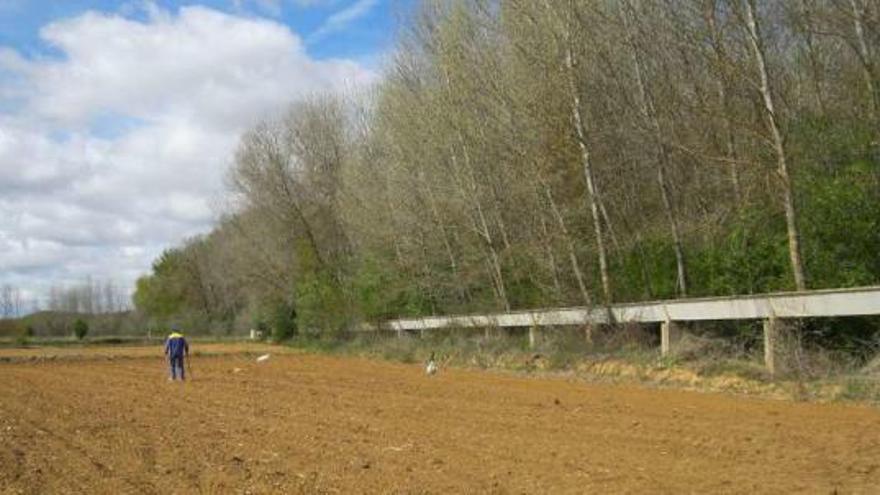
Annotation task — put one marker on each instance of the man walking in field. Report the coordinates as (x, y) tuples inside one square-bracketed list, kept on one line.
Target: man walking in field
[(177, 350)]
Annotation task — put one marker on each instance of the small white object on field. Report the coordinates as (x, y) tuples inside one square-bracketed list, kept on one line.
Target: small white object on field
[(262, 358), (432, 367)]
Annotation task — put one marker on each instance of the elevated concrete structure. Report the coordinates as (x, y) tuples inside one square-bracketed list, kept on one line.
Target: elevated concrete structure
[(770, 307), (810, 304)]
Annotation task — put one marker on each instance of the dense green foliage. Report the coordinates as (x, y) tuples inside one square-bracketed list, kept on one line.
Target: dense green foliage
[(80, 329)]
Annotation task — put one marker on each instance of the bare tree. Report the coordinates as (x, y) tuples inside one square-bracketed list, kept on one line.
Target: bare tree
[(865, 51), (562, 20), (7, 301)]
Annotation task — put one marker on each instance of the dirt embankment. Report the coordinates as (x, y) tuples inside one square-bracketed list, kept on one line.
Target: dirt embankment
[(312, 424)]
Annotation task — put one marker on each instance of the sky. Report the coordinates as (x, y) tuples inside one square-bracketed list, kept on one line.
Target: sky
[(119, 120)]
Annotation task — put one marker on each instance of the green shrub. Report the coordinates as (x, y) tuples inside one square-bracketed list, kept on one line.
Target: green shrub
[(80, 328), (283, 322)]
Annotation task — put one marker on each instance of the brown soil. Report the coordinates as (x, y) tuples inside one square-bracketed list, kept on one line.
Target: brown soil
[(74, 352), (312, 424)]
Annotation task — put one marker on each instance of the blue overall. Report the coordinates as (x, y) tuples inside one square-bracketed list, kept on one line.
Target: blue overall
[(176, 348)]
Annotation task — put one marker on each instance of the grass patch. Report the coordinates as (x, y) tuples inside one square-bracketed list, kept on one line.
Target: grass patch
[(860, 389)]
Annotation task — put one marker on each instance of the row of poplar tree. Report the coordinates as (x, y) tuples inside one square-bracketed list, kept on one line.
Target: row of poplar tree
[(534, 153)]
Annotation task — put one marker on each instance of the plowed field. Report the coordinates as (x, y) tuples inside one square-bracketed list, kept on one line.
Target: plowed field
[(312, 424)]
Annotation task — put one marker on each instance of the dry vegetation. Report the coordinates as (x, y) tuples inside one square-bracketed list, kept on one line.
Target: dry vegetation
[(706, 359)]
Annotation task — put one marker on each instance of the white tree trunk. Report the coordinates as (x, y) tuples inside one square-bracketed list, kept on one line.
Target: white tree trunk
[(649, 112), (592, 194), (794, 247)]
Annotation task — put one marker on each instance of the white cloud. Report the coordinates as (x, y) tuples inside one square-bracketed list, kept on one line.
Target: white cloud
[(344, 18), (117, 149), (199, 62)]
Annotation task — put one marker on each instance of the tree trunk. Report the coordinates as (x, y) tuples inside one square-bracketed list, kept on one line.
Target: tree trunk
[(481, 227), (592, 195), (724, 99), (791, 223), (569, 243), (815, 66), (551, 256), (649, 112), (447, 243), (867, 59)]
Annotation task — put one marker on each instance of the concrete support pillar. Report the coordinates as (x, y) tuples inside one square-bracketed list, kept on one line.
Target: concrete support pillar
[(771, 337), (533, 336), (588, 332), (670, 334)]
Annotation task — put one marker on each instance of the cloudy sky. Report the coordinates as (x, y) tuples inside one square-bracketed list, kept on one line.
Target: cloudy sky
[(118, 119)]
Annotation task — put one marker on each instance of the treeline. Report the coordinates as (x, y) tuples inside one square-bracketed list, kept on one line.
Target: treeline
[(105, 306), (61, 324), (92, 296), (11, 302), (529, 153)]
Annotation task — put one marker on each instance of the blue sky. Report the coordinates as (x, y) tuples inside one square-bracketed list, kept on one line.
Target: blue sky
[(363, 37), (119, 120)]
